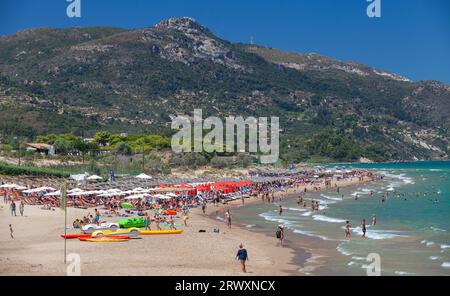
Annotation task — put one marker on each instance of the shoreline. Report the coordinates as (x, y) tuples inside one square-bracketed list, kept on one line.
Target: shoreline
[(38, 250), (304, 258)]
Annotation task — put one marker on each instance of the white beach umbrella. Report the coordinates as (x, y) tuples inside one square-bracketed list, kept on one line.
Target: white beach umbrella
[(56, 193), (162, 196), (144, 176), (39, 189), (94, 177), (136, 196), (79, 177)]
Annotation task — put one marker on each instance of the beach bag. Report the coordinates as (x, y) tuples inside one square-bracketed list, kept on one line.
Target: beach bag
[(278, 233)]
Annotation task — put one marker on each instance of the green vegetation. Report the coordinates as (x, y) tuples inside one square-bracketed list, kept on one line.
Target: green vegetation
[(14, 170), (67, 83)]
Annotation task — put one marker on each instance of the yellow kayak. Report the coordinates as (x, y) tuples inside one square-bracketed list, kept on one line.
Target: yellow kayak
[(106, 240), (153, 232)]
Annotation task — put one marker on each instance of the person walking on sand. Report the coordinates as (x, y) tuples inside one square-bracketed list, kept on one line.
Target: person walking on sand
[(12, 207), (280, 210), (363, 227), (374, 219), (280, 234), (228, 218), (242, 256), (11, 231), (347, 230), (21, 208)]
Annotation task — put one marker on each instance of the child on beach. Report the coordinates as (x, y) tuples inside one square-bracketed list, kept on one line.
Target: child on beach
[(242, 256), (11, 231), (280, 210)]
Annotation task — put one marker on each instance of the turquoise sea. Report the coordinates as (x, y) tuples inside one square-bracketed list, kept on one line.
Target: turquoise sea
[(412, 231)]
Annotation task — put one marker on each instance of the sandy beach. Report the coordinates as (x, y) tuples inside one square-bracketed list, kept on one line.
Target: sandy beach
[(37, 248)]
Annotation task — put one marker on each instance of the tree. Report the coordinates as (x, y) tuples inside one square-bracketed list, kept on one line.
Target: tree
[(123, 148), (103, 138)]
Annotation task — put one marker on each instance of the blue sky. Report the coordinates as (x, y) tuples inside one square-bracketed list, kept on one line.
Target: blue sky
[(412, 37)]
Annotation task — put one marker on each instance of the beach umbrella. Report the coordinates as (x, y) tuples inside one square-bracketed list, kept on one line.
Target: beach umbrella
[(144, 176), (39, 189), (162, 196), (56, 193), (79, 177), (136, 196)]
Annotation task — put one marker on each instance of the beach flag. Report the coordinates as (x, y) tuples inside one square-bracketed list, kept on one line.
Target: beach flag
[(63, 191)]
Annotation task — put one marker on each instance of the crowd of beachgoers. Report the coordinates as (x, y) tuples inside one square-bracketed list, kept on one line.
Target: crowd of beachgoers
[(135, 196)]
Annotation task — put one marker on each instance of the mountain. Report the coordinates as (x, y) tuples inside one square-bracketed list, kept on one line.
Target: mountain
[(83, 80)]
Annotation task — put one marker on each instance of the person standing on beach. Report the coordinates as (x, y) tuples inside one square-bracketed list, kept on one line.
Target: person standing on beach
[(12, 207), (363, 227), (185, 217), (204, 207), (374, 219), (228, 218), (242, 256), (172, 223), (97, 216), (147, 222), (280, 234), (21, 207), (280, 210), (347, 229), (243, 200), (157, 220), (11, 231)]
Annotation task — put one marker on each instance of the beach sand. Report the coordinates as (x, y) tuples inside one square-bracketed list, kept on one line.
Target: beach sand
[(38, 249)]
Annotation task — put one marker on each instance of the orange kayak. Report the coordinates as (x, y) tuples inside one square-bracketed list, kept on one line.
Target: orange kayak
[(76, 235)]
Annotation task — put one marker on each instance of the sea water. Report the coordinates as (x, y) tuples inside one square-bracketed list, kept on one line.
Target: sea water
[(412, 231)]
